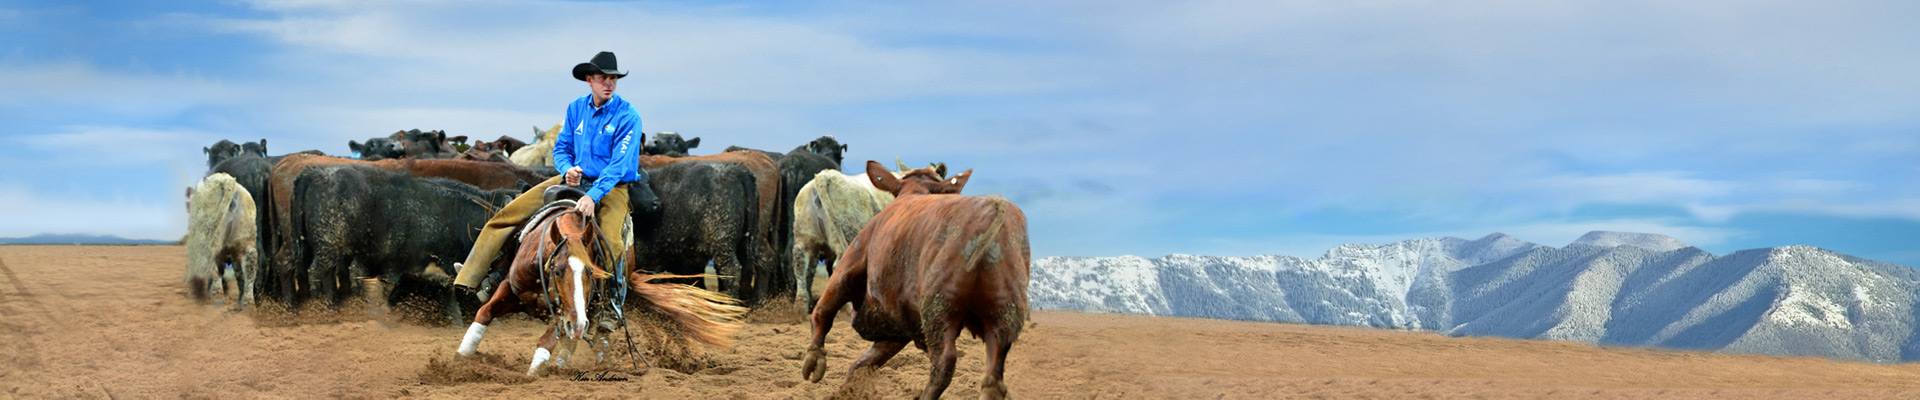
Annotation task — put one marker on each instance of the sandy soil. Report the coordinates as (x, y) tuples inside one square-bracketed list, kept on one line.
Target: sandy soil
[(112, 321)]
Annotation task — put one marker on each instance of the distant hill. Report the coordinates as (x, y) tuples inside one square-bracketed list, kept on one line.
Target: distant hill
[(1608, 288), (49, 238)]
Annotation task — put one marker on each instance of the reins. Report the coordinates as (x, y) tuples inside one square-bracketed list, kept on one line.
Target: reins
[(549, 294)]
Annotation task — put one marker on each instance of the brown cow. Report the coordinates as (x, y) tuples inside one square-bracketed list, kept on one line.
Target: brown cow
[(930, 264)]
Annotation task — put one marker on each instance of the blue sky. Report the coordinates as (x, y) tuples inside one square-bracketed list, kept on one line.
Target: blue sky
[(1203, 127)]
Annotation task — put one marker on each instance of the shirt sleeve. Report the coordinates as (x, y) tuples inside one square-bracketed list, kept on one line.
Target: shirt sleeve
[(563, 142), (626, 159)]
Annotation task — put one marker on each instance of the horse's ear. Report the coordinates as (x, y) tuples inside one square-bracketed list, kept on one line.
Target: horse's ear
[(354, 145), (902, 166), (458, 139), (208, 150), (692, 143), (843, 148), (813, 147)]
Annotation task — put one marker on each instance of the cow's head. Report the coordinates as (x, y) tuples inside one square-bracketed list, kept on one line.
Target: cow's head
[(916, 181), (641, 199), (829, 147), (669, 144), (377, 149), (417, 142), (220, 151), (258, 149)]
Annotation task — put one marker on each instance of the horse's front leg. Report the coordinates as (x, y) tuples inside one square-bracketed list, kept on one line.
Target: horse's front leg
[(502, 303), (543, 352)]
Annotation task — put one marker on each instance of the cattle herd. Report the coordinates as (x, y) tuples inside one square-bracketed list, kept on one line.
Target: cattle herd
[(917, 261)]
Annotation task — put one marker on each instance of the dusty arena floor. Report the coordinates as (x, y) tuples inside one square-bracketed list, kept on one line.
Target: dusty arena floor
[(115, 321)]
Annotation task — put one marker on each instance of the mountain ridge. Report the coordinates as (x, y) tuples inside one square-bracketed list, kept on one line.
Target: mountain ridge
[(1609, 288)]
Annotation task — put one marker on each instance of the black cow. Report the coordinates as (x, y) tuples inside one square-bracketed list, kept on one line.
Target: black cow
[(220, 151), (385, 224), (258, 149), (412, 143), (378, 148), (668, 144), (797, 167), (706, 214)]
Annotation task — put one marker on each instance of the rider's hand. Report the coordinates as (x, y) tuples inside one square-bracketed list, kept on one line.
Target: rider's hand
[(586, 206), (573, 176)]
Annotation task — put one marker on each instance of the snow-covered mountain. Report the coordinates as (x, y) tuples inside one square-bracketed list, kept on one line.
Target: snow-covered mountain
[(1607, 288)]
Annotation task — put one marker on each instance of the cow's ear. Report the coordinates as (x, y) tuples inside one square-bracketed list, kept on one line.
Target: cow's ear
[(458, 139), (941, 169), (882, 179), (843, 148), (692, 143), (958, 181), (902, 166), (208, 150)]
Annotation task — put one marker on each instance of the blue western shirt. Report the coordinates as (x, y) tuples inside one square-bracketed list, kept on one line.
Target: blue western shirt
[(604, 142)]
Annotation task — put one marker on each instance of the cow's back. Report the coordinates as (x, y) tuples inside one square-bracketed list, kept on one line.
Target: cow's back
[(964, 258), (843, 204)]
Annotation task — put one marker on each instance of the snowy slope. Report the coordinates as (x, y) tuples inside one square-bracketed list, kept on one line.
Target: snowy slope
[(1608, 288)]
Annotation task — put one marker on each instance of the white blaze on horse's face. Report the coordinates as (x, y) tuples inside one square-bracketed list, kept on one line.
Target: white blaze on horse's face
[(579, 297)]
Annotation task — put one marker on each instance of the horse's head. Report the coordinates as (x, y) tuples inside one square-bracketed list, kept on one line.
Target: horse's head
[(574, 283)]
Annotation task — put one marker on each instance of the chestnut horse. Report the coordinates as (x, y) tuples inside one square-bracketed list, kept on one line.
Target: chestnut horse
[(535, 284)]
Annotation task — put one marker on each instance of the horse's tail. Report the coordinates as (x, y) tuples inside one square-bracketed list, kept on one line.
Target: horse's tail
[(701, 315)]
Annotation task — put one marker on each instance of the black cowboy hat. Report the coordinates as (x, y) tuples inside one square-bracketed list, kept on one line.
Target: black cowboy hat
[(602, 63)]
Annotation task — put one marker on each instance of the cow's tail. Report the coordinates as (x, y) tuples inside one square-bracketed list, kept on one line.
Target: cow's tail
[(1008, 315), (693, 313), (986, 243), (294, 239)]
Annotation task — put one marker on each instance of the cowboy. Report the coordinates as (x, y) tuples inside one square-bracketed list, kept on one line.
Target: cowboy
[(599, 153)]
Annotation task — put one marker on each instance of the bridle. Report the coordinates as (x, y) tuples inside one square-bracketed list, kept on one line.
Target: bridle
[(602, 253)]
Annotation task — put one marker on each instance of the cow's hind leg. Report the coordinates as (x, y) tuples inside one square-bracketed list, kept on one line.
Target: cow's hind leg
[(941, 336), (998, 341)]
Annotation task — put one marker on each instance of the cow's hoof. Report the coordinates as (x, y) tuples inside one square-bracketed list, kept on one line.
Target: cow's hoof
[(993, 391), (813, 368)]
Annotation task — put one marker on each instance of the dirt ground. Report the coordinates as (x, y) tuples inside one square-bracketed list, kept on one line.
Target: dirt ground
[(115, 321)]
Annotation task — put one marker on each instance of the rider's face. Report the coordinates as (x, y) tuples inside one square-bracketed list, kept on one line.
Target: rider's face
[(602, 85)]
